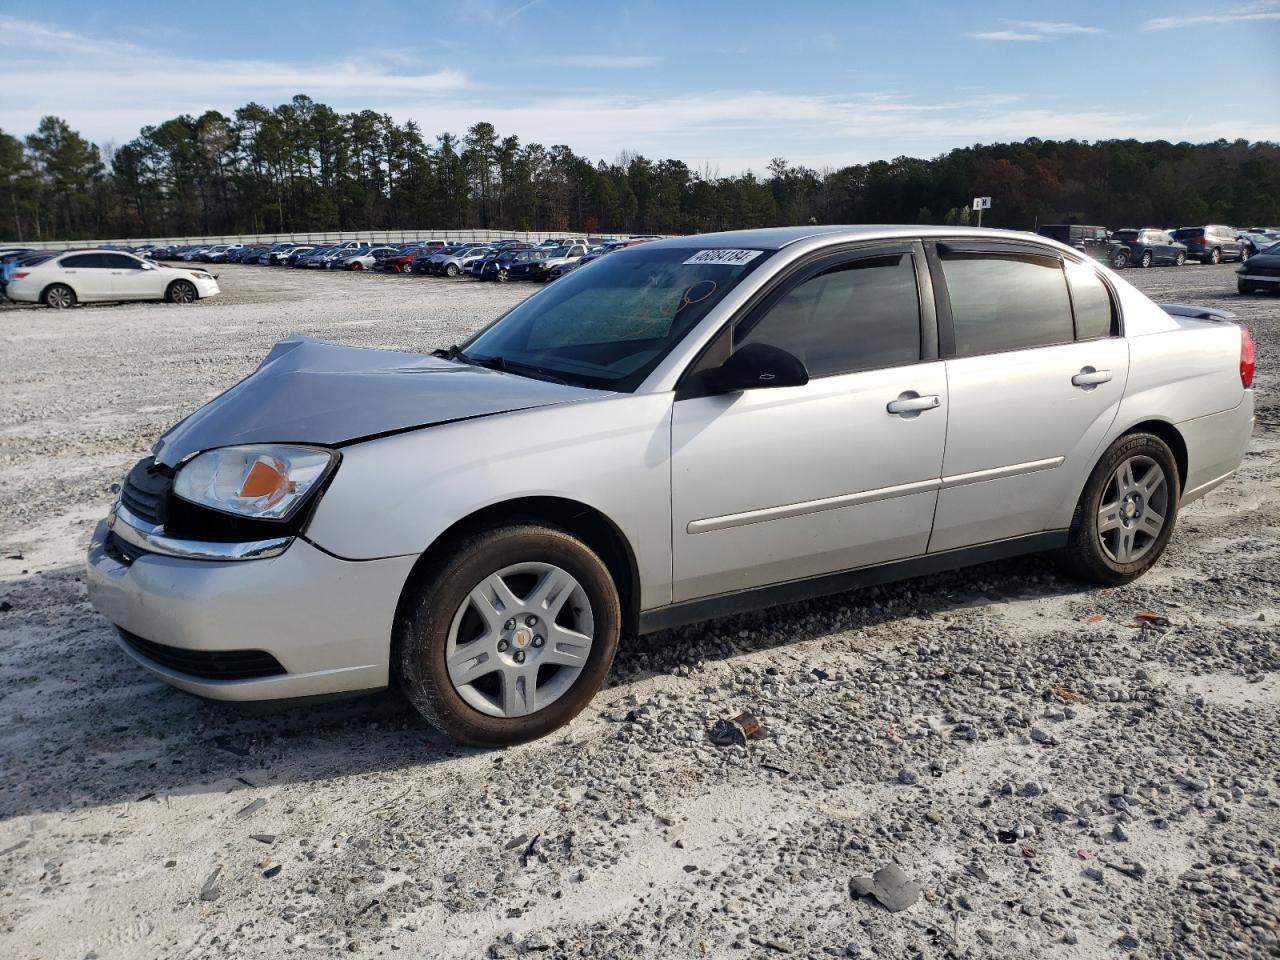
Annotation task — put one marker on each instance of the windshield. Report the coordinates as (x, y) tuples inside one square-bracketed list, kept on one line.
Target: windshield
[(1273, 250), (609, 326)]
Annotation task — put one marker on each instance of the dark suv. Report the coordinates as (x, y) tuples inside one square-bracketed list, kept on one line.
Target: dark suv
[(1150, 246), (1091, 241), (1211, 244)]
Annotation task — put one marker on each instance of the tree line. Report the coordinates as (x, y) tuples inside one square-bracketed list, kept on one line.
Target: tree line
[(303, 166)]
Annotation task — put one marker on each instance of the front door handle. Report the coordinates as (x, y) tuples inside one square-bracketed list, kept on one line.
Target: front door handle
[(911, 404), (1089, 378)]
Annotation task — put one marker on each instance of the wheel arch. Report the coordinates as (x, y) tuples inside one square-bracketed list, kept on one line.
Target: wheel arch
[(587, 523), (57, 283), (1167, 432)]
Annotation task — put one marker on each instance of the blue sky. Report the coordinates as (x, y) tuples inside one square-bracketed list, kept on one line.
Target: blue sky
[(722, 86)]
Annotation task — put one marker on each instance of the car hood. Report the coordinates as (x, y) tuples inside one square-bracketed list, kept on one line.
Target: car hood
[(308, 391), (1263, 260)]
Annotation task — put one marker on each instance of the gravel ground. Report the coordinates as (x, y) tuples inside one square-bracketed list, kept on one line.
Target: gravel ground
[(1060, 779)]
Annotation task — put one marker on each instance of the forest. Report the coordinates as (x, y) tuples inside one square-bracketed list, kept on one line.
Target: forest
[(302, 166)]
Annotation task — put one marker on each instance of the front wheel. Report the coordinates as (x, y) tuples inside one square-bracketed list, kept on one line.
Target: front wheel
[(1243, 288), (1126, 514), (509, 635), (1215, 255), (182, 291), (451, 270), (1146, 260), (59, 297), (1119, 260), (503, 276), (1180, 259)]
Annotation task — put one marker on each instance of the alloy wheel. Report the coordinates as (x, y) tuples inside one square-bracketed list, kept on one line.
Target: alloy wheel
[(520, 639), (1135, 504), (182, 292), (60, 298)]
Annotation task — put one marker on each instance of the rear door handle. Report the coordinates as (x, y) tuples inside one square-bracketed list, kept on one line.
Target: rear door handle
[(1089, 377), (911, 404)]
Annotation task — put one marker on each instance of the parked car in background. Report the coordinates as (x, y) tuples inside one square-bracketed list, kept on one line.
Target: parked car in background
[(1210, 244), (96, 275), (456, 262), (10, 258), (699, 448), (1149, 246), (539, 268), (1092, 241), (1256, 241), (279, 255), (427, 258), (362, 260), (219, 253), (1261, 272), (499, 267), (299, 257), (402, 261)]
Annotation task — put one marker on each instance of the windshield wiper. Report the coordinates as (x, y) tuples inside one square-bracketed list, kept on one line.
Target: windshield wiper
[(500, 364)]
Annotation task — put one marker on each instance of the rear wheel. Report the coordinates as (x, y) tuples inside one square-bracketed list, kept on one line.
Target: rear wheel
[(509, 635), (357, 265), (1126, 514), (451, 270), (1215, 255), (1180, 259), (60, 297), (182, 291), (503, 276)]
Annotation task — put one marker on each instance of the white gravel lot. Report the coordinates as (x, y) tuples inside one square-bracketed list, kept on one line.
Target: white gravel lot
[(1061, 782)]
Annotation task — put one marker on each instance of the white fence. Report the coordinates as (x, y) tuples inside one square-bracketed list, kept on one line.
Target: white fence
[(389, 237)]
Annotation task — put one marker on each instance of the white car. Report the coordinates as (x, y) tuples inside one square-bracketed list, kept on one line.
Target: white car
[(90, 276)]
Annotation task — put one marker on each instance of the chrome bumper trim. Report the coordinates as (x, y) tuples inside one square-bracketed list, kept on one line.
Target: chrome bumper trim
[(151, 537)]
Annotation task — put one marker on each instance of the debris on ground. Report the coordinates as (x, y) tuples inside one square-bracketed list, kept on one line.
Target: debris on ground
[(735, 732), (889, 885)]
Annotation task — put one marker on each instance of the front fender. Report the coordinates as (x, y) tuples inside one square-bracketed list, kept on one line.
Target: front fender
[(396, 495)]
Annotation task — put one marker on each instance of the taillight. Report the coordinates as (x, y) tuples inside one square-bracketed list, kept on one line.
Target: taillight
[(1246, 357), (20, 274)]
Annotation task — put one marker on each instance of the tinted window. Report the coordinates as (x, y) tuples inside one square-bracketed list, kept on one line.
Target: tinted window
[(857, 316), (1092, 302), (1124, 236), (118, 261), (83, 261), (1006, 302)]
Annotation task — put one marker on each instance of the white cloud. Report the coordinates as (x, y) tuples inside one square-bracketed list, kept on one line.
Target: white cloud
[(1005, 35), (79, 76), (602, 61), (495, 13), (1251, 13), (1053, 27)]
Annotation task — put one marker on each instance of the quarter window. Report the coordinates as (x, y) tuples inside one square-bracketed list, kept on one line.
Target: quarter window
[(1095, 315), (860, 315), (1006, 302)]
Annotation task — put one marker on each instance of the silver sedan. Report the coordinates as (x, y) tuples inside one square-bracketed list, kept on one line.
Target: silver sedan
[(691, 428)]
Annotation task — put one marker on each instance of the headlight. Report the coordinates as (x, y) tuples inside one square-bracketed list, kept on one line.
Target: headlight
[(267, 481)]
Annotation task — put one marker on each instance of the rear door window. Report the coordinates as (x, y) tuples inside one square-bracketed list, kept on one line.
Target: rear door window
[(85, 261), (863, 314), (1006, 301)]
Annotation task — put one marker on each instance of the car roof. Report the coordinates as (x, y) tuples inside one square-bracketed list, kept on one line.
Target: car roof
[(775, 238)]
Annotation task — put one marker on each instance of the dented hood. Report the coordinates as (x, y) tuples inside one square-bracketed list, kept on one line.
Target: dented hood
[(308, 391)]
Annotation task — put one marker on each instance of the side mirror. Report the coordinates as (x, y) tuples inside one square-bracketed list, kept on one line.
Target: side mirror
[(755, 366), (148, 266)]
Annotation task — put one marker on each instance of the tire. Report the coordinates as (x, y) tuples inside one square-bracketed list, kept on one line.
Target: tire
[(59, 296), (357, 265), (1243, 288), (181, 291), (503, 276), (1145, 260), (1180, 259), (1130, 543), (1120, 260), (451, 270), (440, 607), (1215, 255)]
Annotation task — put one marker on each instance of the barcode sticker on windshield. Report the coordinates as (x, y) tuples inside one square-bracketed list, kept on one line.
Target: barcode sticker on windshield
[(730, 258)]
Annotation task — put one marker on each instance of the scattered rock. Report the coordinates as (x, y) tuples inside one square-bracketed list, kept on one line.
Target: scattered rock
[(889, 885)]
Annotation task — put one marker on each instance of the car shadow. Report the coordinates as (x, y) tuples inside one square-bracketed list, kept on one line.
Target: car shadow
[(81, 725)]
